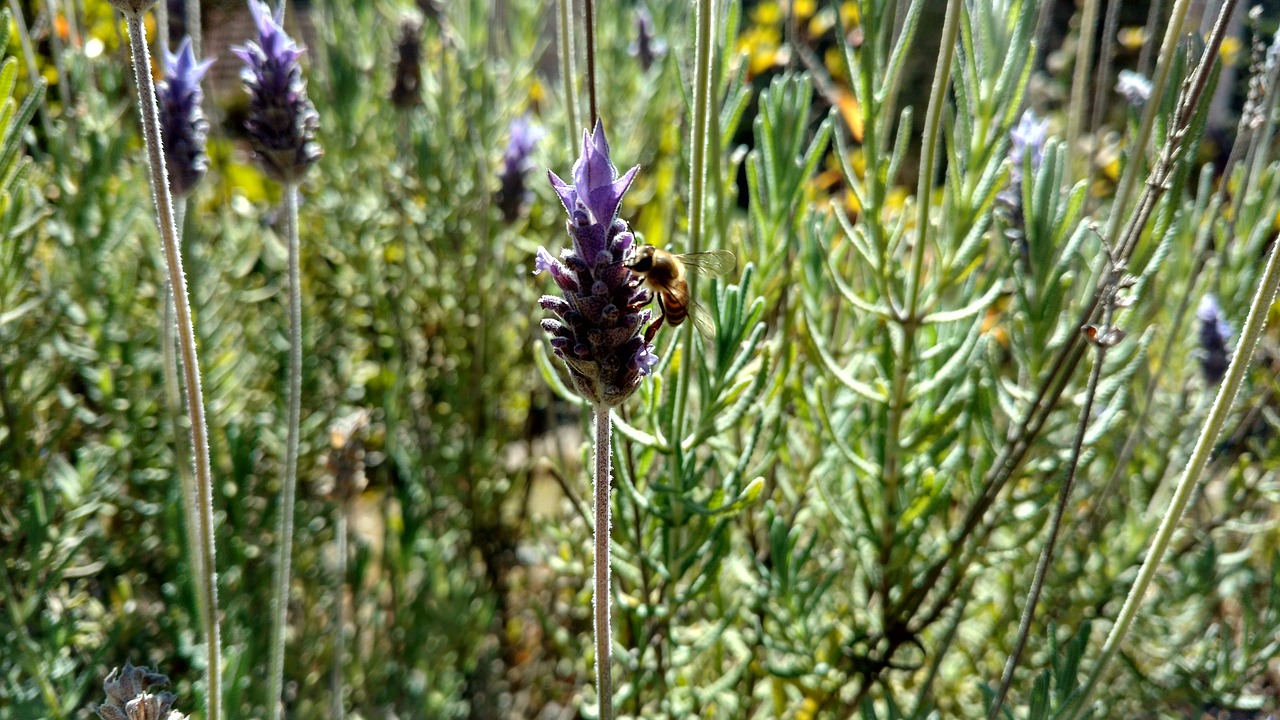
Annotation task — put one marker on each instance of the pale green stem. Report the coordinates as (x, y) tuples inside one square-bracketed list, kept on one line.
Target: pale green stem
[(159, 178), (1200, 456), (910, 320), (193, 28), (704, 43), (601, 599), (589, 6), (162, 42), (1139, 147), (564, 40), (336, 623), (173, 393), (288, 491), (1080, 80)]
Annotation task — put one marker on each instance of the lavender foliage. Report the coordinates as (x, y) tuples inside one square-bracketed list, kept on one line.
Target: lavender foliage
[(182, 122), (281, 122), (597, 328), (516, 164), (1214, 337)]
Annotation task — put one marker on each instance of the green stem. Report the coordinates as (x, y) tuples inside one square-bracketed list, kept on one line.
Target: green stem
[(601, 598), (173, 393), (1080, 80), (1240, 360), (336, 623), (284, 523), (590, 7), (565, 47), (159, 178), (697, 200), (910, 320)]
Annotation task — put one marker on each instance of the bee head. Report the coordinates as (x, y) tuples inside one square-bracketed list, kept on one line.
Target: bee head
[(639, 259)]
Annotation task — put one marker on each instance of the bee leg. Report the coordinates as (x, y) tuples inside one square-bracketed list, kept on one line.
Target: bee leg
[(653, 328)]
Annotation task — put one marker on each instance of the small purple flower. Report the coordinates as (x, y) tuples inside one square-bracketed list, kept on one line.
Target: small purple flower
[(129, 696), (1215, 339), (281, 122), (182, 123), (647, 47), (1028, 136), (1134, 87), (597, 328), (516, 163)]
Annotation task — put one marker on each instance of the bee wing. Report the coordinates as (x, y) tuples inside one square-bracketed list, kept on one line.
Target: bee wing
[(712, 262), (702, 320)]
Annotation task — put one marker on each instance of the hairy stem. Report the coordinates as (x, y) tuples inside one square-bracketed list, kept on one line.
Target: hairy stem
[(601, 598), (590, 19), (191, 23), (1080, 79), (284, 524), (564, 45), (159, 178), (173, 394)]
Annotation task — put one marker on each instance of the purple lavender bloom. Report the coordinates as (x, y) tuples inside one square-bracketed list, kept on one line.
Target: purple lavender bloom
[(1029, 135), (647, 47), (598, 320), (1215, 338), (281, 122), (182, 123), (516, 163), (1134, 87)]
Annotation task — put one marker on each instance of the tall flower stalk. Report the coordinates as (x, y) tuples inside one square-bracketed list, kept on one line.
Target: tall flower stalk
[(597, 333), (184, 131), (282, 124), (133, 11)]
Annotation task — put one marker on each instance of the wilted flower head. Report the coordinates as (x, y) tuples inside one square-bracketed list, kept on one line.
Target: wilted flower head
[(282, 122), (516, 163), (647, 47), (597, 332), (1215, 336), (1134, 87), (128, 697), (182, 123), (407, 90)]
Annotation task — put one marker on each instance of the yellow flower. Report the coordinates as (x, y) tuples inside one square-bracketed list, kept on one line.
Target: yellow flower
[(760, 45), (1132, 38), (767, 13), (849, 14), (1230, 50), (804, 8)]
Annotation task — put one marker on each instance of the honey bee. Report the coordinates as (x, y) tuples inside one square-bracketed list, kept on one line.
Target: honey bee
[(665, 275)]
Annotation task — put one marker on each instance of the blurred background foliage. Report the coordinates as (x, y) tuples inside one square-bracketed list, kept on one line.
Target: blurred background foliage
[(787, 549)]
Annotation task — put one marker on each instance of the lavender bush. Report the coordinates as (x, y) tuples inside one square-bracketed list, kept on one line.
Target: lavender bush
[(985, 426)]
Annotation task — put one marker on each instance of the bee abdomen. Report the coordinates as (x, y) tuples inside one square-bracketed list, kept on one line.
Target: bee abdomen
[(674, 309)]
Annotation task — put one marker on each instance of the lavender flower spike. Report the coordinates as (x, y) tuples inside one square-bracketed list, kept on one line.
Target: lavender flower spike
[(282, 122), (1215, 340), (647, 47), (516, 163), (182, 122), (597, 329)]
